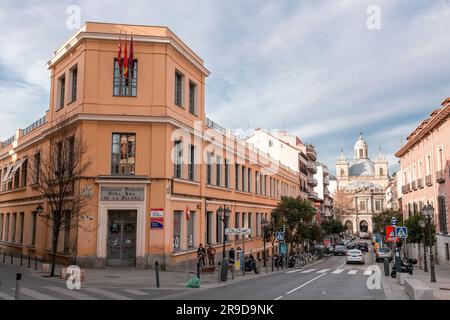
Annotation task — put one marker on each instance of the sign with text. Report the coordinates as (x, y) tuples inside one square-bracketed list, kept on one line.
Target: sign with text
[(237, 231), (122, 193), (157, 218)]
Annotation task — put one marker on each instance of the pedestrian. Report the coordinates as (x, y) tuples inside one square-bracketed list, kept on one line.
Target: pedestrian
[(231, 255), (201, 254), (211, 254)]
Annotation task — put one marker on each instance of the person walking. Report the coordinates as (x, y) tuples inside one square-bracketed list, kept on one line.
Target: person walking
[(211, 255), (231, 255), (201, 254)]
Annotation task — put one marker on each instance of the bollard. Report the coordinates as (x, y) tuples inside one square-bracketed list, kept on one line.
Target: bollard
[(220, 278), (29, 260), (12, 257), (4, 256), (198, 270), (157, 273), (35, 262), (232, 273), (18, 278), (21, 259), (386, 267)]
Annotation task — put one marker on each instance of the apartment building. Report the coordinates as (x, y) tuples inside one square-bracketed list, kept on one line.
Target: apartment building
[(161, 171), (424, 175)]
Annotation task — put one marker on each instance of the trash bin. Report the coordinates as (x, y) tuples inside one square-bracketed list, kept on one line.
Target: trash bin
[(224, 270), (386, 267)]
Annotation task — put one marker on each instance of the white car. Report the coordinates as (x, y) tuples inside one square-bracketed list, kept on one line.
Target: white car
[(355, 256)]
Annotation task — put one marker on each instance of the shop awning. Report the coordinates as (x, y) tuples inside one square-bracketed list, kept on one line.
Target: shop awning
[(12, 169)]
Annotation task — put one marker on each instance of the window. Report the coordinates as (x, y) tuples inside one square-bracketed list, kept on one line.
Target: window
[(179, 80), (74, 80), (33, 228), (17, 179), (362, 205), (249, 225), (249, 182), (67, 226), (123, 154), (236, 176), (270, 143), (125, 87), (24, 173), (177, 230), (13, 227), (191, 167), (442, 214), (7, 227), (258, 224), (62, 91), (244, 221), (227, 173), (218, 171), (257, 182), (21, 215), (381, 172), (209, 168), (2, 221), (192, 98), (237, 222), (178, 159), (378, 205), (243, 175), (190, 230), (209, 227), (428, 165), (219, 229), (37, 167)]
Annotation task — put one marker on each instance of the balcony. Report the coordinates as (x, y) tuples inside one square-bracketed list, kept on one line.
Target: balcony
[(406, 188), (312, 182), (313, 195), (428, 180), (311, 166), (420, 183), (326, 180), (311, 152), (326, 192), (413, 185), (440, 177), (327, 203)]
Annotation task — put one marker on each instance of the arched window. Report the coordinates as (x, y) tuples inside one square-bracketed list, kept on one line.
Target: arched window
[(342, 172), (381, 172), (361, 153)]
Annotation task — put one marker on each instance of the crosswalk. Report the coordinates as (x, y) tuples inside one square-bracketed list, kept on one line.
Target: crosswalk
[(366, 272), (62, 293)]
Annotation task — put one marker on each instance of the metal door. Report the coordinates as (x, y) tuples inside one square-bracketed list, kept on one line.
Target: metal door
[(121, 238)]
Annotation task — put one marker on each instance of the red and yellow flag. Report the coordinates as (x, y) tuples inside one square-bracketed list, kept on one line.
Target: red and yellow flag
[(125, 60)]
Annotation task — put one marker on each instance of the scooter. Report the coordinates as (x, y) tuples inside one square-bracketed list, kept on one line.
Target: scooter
[(278, 261), (251, 264), (406, 267)]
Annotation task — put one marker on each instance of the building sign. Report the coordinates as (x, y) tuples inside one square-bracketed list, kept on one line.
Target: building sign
[(122, 194), (237, 231), (157, 218)]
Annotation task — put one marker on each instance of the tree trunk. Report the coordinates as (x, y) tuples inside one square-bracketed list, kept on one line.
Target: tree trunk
[(419, 257), (54, 247)]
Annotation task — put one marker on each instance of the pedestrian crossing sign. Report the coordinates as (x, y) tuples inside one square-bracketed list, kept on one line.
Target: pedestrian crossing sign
[(401, 232), (279, 236)]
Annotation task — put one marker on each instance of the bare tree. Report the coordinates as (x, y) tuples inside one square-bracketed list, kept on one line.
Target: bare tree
[(342, 203), (57, 177)]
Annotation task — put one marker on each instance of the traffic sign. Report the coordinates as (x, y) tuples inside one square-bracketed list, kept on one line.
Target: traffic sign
[(390, 234), (394, 221), (279, 236), (401, 232), (283, 249)]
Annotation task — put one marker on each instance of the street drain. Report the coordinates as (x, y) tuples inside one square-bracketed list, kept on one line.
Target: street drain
[(448, 289), (113, 276)]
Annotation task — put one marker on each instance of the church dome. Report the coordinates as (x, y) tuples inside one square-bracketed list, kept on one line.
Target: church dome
[(363, 185), (361, 143), (361, 167)]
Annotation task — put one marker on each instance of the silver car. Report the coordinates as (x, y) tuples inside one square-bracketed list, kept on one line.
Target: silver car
[(355, 256), (382, 253)]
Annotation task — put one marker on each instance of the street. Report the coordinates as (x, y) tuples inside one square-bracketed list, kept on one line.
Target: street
[(328, 279)]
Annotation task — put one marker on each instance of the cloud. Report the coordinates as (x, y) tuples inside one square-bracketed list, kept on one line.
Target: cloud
[(311, 67)]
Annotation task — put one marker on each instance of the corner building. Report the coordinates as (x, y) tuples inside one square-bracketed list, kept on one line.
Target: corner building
[(157, 159)]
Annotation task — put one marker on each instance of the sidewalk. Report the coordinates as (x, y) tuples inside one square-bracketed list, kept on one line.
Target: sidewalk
[(441, 289)]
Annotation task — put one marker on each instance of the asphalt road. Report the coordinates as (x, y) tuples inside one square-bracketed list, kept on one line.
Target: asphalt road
[(329, 279)]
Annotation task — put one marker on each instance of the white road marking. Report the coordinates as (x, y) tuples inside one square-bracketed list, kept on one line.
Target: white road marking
[(6, 296), (368, 272), (323, 271), (308, 271), (337, 271), (301, 286), (136, 292), (71, 293), (342, 265), (293, 271), (352, 272), (280, 297), (35, 294), (108, 294)]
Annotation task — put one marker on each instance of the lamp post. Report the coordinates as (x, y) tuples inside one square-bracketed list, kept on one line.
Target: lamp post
[(39, 209), (423, 224), (428, 211), (264, 225), (223, 214)]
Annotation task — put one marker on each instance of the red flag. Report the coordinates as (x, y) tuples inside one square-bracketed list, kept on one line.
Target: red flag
[(125, 60), (188, 213), (131, 59), (119, 54)]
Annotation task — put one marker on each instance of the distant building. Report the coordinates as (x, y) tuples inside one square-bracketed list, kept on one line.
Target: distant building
[(365, 180), (324, 202), (391, 193)]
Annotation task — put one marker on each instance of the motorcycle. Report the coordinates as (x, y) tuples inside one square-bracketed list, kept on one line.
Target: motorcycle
[(251, 264), (278, 261), (407, 266)]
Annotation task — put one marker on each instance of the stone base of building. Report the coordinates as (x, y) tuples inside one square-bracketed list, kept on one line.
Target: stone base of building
[(442, 249)]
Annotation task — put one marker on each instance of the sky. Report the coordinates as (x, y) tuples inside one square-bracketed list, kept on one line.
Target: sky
[(313, 68)]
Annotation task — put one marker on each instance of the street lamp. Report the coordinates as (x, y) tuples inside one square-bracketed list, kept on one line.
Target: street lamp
[(223, 214), (428, 211), (39, 209), (423, 224), (264, 225)]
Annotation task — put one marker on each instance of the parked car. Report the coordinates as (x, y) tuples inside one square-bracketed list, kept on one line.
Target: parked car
[(329, 249), (364, 235), (363, 246), (355, 256), (340, 250), (382, 253)]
